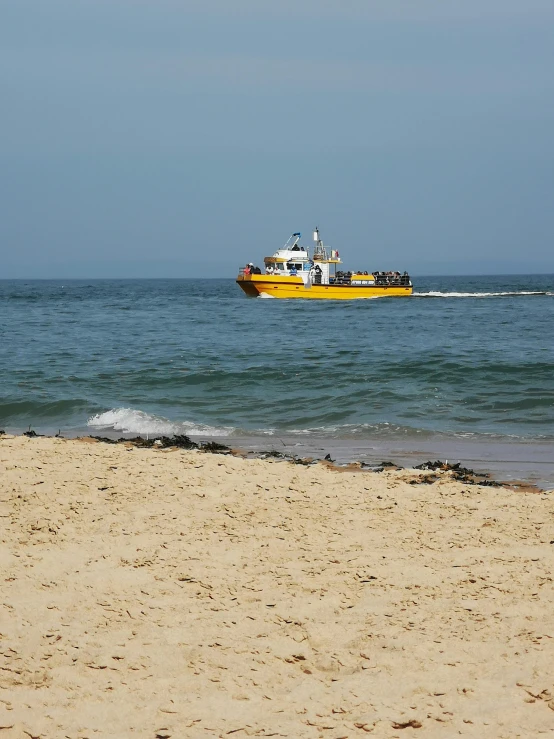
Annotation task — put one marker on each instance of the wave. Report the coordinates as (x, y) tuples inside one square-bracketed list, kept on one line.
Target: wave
[(395, 432), (437, 294), (20, 411), (367, 430), (131, 421)]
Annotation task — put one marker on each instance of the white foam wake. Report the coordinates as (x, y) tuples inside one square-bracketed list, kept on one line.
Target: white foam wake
[(435, 294), (131, 421)]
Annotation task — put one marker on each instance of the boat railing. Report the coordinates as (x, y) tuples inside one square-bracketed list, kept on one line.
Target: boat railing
[(376, 278), (383, 279), (346, 278), (320, 254), (261, 271)]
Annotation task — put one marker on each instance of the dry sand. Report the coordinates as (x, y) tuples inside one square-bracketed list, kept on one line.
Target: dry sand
[(149, 593)]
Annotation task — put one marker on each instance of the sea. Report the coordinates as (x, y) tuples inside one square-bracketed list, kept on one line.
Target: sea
[(462, 370)]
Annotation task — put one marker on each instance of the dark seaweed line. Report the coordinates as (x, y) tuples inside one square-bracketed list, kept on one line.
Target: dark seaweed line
[(458, 473)]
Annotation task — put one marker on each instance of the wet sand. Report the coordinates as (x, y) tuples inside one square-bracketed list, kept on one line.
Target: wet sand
[(531, 460), (170, 593), (528, 461)]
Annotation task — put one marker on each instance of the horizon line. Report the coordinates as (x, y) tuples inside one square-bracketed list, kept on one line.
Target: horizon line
[(201, 277)]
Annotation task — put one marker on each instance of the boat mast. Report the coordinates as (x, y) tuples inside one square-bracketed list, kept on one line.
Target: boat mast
[(319, 249), (316, 236)]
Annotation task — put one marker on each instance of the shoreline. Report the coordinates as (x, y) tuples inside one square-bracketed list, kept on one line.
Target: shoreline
[(165, 592), (513, 462)]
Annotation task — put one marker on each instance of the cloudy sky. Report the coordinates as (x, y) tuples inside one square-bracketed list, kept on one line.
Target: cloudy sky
[(185, 137)]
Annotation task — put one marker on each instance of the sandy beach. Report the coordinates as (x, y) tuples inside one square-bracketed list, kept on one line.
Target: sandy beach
[(169, 593)]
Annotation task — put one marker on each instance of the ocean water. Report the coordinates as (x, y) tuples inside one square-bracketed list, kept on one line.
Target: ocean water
[(464, 360)]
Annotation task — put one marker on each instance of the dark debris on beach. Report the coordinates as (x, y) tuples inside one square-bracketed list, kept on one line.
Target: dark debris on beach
[(457, 472), (166, 442)]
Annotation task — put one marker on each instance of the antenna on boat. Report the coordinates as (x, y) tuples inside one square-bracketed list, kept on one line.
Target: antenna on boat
[(319, 251)]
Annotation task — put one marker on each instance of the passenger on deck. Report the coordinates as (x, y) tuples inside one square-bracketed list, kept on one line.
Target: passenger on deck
[(269, 269), (247, 270), (293, 271)]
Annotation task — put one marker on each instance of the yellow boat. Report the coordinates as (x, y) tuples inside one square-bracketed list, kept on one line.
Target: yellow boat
[(292, 273)]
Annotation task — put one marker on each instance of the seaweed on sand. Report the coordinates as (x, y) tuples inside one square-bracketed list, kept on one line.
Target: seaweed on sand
[(458, 473), (215, 448), (180, 441), (30, 433)]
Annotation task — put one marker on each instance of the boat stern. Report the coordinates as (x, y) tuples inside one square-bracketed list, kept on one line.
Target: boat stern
[(276, 286), (248, 285)]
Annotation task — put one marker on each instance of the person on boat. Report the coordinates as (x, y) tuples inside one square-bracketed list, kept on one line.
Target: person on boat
[(293, 271), (247, 270), (316, 271), (269, 269), (256, 271)]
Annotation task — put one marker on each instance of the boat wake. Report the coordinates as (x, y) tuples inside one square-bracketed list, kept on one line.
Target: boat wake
[(436, 294), (131, 421)]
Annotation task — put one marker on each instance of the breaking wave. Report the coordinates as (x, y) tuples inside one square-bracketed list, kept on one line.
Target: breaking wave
[(131, 421)]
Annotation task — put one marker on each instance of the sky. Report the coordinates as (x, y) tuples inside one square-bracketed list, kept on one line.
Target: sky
[(183, 138)]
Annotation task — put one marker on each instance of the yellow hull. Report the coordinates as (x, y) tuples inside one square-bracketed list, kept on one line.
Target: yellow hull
[(293, 287)]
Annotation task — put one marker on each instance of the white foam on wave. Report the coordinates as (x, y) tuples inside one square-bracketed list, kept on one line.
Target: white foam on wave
[(132, 421), (354, 429), (436, 294)]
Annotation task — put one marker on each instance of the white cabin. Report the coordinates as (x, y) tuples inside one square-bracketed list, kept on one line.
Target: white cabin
[(294, 259)]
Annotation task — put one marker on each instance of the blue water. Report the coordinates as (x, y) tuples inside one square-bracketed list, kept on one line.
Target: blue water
[(467, 357)]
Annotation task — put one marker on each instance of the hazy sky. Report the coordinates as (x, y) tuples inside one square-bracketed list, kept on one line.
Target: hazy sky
[(185, 137)]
